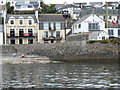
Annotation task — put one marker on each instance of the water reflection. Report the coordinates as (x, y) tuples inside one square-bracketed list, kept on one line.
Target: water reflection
[(61, 75)]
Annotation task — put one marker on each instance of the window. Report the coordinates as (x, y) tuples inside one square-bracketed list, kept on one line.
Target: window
[(118, 32), (75, 26), (104, 17), (12, 22), (45, 33), (51, 27), (58, 26), (79, 26), (30, 32), (29, 6), (12, 32), (21, 21), (12, 41), (103, 38), (52, 34), (110, 32), (110, 17), (30, 22), (94, 26), (58, 34), (45, 26), (30, 41)]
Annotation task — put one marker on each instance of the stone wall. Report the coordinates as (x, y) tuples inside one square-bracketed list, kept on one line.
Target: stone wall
[(69, 51), (77, 37)]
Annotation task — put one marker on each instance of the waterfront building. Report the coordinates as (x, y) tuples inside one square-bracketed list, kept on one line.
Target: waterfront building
[(90, 23), (21, 29), (25, 5), (1, 33), (113, 30), (102, 13), (2, 21), (2, 2), (51, 28), (73, 10)]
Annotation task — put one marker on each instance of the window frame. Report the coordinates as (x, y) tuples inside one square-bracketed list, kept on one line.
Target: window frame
[(12, 23)]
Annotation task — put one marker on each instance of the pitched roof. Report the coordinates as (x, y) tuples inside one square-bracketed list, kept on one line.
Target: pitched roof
[(51, 17), (69, 6), (110, 25), (24, 16), (83, 18)]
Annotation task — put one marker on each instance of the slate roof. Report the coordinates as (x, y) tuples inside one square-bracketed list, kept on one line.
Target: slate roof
[(110, 25), (51, 17), (83, 18), (69, 6), (59, 6), (24, 16)]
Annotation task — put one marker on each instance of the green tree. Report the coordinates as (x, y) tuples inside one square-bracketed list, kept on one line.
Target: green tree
[(48, 8), (10, 9)]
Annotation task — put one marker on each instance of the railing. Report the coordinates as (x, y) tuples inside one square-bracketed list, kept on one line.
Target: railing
[(52, 38), (21, 34)]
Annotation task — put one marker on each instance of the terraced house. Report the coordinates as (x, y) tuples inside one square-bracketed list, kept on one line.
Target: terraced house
[(21, 29), (51, 28)]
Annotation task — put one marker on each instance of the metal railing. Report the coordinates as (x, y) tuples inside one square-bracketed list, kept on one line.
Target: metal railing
[(21, 34)]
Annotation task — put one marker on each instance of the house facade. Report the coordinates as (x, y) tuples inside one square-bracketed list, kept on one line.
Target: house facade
[(1, 33), (2, 2), (51, 28), (93, 24), (25, 5), (113, 30), (21, 29), (88, 23), (71, 9)]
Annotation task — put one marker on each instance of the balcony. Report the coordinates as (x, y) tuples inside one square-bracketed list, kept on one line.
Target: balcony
[(52, 38), (9, 35)]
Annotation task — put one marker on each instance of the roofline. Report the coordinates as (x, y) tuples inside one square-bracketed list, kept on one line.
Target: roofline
[(50, 14)]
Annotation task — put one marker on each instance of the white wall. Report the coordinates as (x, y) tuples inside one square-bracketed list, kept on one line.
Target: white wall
[(2, 2), (1, 38), (85, 24), (115, 31)]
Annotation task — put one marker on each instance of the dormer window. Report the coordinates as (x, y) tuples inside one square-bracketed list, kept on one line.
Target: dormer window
[(12, 22), (30, 22), (21, 22)]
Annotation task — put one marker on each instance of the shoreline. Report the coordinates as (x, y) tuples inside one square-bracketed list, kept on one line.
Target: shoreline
[(66, 52)]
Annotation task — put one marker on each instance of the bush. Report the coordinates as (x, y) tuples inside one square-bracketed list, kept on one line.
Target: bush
[(104, 41), (91, 41)]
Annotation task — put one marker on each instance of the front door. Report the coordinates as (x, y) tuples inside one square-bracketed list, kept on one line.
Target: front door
[(52, 41), (20, 41)]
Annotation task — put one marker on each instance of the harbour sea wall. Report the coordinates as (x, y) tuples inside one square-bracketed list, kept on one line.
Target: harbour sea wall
[(68, 51)]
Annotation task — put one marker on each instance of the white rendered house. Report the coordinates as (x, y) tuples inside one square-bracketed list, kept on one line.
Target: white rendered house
[(93, 24), (25, 5), (88, 23)]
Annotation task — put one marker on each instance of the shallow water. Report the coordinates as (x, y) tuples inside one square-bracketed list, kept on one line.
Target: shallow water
[(61, 75)]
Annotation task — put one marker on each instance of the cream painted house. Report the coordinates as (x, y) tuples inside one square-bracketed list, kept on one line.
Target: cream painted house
[(21, 29), (51, 28)]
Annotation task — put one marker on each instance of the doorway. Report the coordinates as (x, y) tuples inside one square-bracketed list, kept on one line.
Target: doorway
[(20, 41), (52, 41)]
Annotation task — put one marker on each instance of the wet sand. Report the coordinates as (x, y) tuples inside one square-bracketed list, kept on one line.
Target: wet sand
[(25, 60)]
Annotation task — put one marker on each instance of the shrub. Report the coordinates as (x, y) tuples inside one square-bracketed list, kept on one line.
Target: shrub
[(91, 41), (104, 41)]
